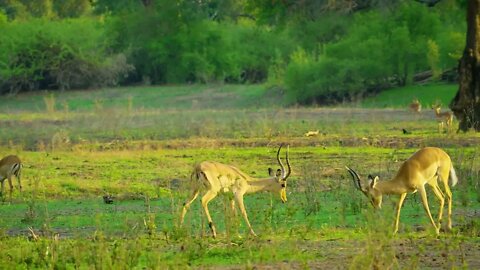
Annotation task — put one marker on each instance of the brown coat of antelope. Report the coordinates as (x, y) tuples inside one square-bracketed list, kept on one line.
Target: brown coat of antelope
[(444, 119), (415, 106), (10, 166), (215, 178), (426, 166)]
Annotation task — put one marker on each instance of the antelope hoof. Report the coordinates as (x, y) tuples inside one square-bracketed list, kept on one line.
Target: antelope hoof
[(212, 227)]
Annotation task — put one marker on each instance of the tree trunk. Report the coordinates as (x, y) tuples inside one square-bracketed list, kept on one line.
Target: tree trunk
[(466, 104)]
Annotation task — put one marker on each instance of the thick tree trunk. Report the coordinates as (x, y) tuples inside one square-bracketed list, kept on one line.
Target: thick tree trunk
[(466, 104)]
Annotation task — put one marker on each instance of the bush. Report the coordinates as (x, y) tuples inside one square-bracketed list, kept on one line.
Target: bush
[(322, 81), (178, 45), (41, 54), (379, 51)]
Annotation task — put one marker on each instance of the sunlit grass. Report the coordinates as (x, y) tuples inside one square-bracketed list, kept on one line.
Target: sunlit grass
[(401, 97), (143, 155), (152, 97)]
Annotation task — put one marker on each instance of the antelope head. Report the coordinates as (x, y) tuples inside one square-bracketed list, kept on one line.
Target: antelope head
[(369, 189), (436, 106), (280, 176)]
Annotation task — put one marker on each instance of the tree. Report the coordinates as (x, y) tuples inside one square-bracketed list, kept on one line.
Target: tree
[(466, 103), (72, 8)]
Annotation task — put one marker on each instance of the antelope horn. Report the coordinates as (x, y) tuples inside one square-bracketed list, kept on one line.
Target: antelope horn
[(288, 164), (280, 162), (356, 178)]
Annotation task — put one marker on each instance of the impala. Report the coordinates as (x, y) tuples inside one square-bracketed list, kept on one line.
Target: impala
[(311, 133), (415, 106), (10, 166), (443, 118), (214, 178), (426, 166)]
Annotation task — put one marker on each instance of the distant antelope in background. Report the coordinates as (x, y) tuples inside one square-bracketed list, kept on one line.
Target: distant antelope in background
[(10, 166), (311, 133), (215, 178), (415, 106), (444, 119)]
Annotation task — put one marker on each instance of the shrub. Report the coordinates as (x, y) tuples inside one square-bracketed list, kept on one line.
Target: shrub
[(177, 45), (379, 51), (64, 54)]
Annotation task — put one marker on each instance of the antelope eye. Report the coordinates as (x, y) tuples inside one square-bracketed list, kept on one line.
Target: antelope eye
[(283, 185)]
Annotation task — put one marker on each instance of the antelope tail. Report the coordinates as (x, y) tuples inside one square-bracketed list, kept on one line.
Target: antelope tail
[(453, 176), (16, 169)]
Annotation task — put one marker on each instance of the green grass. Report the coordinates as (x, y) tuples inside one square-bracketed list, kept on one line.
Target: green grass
[(139, 128), (322, 205), (202, 111), (154, 97), (215, 97), (402, 97), (143, 154)]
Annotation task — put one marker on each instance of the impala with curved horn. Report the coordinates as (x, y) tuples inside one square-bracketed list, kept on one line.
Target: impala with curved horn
[(215, 178), (426, 166)]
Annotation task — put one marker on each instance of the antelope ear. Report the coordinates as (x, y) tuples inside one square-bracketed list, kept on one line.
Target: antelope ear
[(270, 172), (373, 181), (279, 173)]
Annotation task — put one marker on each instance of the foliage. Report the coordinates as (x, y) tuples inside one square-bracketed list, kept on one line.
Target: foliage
[(40, 54), (352, 50), (193, 48), (379, 51), (25, 9)]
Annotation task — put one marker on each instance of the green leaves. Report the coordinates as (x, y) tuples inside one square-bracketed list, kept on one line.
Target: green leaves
[(380, 49), (43, 54)]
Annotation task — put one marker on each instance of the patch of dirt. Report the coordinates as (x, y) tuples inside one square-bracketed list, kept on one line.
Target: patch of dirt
[(346, 141)]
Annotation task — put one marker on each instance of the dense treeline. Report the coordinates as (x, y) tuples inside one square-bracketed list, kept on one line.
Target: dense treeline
[(318, 51)]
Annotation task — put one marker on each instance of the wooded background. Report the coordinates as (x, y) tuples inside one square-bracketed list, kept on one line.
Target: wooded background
[(314, 51)]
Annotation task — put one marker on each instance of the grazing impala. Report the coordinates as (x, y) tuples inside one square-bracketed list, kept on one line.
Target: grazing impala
[(10, 166), (215, 178), (415, 106), (311, 133), (426, 166), (443, 117)]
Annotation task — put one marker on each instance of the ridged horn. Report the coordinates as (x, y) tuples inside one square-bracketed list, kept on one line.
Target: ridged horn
[(356, 178), (280, 162), (288, 164)]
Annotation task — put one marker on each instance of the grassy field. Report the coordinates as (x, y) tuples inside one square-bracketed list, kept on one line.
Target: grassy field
[(401, 97), (140, 145), (152, 97)]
